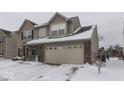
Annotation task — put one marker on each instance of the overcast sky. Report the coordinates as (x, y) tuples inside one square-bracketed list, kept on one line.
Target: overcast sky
[(110, 25)]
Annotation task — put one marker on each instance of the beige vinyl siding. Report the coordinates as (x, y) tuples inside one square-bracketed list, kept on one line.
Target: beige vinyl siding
[(42, 32), (2, 45), (11, 46), (25, 27), (76, 23), (70, 28)]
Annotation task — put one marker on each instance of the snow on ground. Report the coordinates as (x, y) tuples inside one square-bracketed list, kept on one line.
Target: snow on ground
[(113, 71), (18, 71), (28, 71), (59, 73)]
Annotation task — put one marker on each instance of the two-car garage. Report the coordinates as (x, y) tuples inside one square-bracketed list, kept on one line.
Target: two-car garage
[(64, 53)]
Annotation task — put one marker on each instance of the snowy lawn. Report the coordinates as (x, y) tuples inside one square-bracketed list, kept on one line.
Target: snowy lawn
[(28, 71)]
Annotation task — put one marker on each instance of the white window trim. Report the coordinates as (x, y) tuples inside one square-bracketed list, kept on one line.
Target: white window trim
[(57, 29), (27, 34)]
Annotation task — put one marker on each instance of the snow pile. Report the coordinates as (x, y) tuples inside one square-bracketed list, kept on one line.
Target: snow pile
[(113, 71)]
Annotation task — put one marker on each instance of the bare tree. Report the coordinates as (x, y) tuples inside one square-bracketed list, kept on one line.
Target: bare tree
[(99, 56)]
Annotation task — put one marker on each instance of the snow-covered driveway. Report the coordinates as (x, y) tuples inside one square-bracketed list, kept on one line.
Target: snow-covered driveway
[(15, 71)]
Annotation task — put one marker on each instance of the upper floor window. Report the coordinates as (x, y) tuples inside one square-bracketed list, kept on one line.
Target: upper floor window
[(27, 35), (42, 32), (58, 29), (1, 40)]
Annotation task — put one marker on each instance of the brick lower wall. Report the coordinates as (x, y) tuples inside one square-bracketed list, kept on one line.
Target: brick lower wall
[(87, 52), (41, 53), (2, 46)]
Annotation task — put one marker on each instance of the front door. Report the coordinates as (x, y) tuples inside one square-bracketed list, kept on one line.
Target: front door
[(33, 54)]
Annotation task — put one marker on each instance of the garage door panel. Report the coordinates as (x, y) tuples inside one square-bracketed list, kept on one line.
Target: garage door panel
[(74, 56), (65, 55)]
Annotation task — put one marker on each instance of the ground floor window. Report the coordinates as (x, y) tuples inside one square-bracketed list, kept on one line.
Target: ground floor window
[(20, 52)]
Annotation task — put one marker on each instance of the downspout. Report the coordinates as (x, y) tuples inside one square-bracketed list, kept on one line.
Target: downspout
[(5, 48)]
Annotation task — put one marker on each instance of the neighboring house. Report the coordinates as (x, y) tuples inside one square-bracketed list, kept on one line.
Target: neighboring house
[(61, 40), (24, 34), (123, 39), (7, 44)]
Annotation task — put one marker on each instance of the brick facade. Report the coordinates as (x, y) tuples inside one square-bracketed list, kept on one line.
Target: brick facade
[(87, 52)]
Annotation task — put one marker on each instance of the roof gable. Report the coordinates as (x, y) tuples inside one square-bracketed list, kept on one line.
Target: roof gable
[(27, 25), (57, 15), (31, 22), (75, 20)]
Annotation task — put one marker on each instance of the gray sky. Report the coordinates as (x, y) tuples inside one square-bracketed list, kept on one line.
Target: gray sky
[(110, 25)]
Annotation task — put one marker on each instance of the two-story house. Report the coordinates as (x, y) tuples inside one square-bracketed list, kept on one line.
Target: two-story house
[(24, 35), (61, 40), (7, 44)]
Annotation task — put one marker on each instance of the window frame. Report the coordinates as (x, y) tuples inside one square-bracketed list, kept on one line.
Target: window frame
[(27, 35), (58, 27), (20, 49)]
